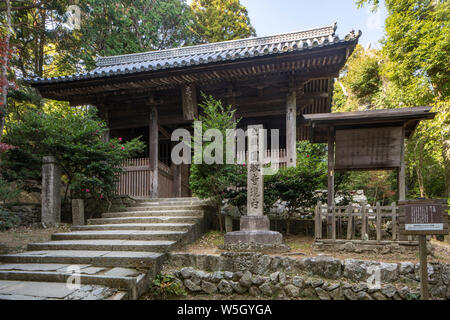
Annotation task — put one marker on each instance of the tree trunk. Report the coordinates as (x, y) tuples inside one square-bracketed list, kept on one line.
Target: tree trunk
[(419, 171), (4, 71), (288, 226)]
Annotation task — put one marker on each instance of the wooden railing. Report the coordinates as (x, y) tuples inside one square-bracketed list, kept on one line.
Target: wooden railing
[(135, 179), (349, 215)]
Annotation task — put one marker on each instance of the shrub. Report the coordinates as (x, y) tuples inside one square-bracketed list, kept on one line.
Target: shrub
[(90, 166), (9, 192), (213, 180), (166, 286), (8, 219)]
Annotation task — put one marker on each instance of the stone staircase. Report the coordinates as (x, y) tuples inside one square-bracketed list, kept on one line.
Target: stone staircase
[(115, 257)]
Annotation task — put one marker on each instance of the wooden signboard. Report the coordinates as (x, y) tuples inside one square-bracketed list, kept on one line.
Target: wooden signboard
[(368, 148), (423, 217)]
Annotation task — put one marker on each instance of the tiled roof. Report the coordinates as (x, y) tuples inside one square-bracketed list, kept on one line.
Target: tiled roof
[(208, 53)]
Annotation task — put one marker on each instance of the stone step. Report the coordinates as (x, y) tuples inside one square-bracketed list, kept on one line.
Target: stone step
[(168, 199), (104, 245), (39, 290), (159, 219), (173, 204), (162, 209), (119, 234), (46, 276), (143, 213), (137, 226), (95, 257)]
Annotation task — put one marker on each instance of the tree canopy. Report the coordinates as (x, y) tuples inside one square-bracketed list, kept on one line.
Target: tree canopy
[(220, 20), (411, 69)]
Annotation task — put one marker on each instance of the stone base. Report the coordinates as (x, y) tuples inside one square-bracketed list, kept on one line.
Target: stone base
[(265, 237), (251, 223)]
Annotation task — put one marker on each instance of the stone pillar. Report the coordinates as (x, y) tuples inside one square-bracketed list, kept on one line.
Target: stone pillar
[(153, 145), (291, 128), (51, 192), (77, 212), (255, 226)]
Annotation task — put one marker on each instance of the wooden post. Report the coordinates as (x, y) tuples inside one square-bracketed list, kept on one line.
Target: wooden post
[(423, 267), (378, 221), (401, 170), (333, 222), (153, 150), (318, 219), (105, 117), (331, 138), (394, 222), (363, 222), (177, 180), (350, 222), (291, 128)]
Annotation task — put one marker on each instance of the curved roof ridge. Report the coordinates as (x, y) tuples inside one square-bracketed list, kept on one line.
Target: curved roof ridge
[(216, 46)]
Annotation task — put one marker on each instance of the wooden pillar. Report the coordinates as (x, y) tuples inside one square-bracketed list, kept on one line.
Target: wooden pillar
[(401, 170), (153, 150), (177, 180), (401, 183), (331, 139), (105, 117), (291, 128)]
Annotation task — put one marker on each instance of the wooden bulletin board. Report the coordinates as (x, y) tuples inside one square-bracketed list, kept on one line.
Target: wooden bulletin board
[(423, 217), (368, 148)]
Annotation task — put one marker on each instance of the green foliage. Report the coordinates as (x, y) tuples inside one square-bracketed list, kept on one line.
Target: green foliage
[(113, 27), (9, 192), (89, 165), (8, 219), (295, 186), (166, 286), (212, 180), (220, 20), (364, 77), (414, 70)]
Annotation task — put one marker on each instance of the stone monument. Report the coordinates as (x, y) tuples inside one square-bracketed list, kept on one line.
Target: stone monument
[(77, 212), (51, 192), (255, 226)]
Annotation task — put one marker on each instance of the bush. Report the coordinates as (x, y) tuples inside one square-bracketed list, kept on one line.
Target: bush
[(90, 166), (166, 286), (8, 219), (9, 192), (213, 180)]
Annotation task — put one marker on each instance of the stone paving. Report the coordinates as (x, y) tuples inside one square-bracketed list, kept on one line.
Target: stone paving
[(113, 257)]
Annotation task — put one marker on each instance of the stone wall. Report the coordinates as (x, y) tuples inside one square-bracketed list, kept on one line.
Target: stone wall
[(321, 277), (28, 214)]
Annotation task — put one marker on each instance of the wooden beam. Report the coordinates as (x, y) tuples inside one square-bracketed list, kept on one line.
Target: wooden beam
[(153, 150)]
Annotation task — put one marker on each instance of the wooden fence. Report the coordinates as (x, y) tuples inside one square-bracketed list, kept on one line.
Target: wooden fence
[(344, 220), (135, 180)]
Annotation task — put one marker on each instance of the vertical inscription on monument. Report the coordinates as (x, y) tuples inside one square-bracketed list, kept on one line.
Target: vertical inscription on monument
[(255, 180)]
